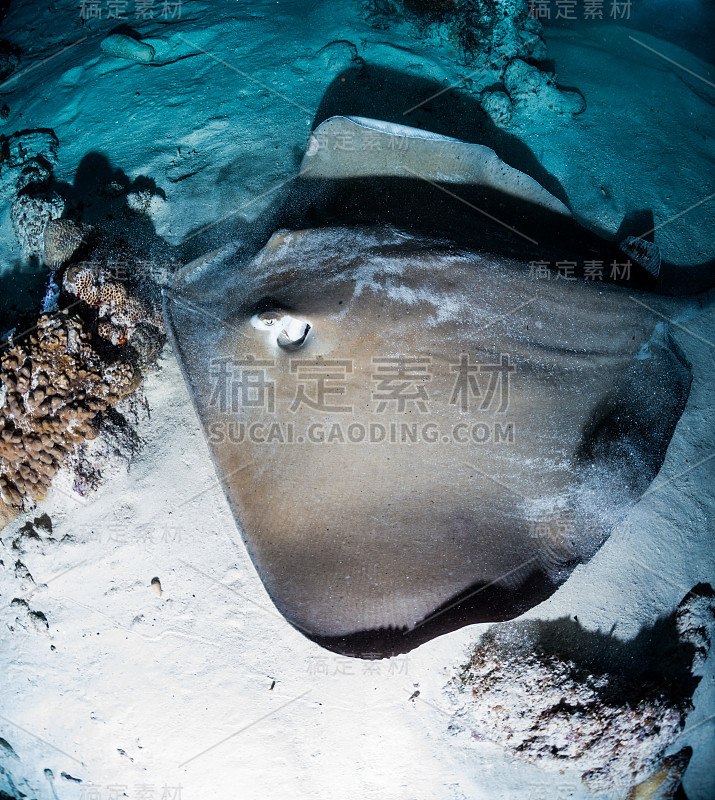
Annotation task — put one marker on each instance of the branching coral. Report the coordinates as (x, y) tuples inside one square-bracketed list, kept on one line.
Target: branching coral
[(58, 388), (54, 385)]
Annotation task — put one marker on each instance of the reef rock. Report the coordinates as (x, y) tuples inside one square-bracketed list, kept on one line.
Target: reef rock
[(27, 158), (499, 41), (560, 712), (122, 317), (23, 146), (695, 620), (30, 216), (485, 31), (534, 91)]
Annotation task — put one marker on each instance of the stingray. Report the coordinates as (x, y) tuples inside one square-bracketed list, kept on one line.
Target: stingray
[(413, 434)]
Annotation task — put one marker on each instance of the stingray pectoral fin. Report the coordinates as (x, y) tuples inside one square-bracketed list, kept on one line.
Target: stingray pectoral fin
[(447, 442), (357, 147)]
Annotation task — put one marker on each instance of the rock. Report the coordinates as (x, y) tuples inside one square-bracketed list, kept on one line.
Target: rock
[(534, 91), (613, 724), (30, 215), (23, 146), (123, 46), (9, 59), (336, 56)]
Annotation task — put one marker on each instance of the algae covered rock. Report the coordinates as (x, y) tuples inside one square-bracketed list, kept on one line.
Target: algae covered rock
[(556, 696)]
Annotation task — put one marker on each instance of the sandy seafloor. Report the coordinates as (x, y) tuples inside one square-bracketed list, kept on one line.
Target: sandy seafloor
[(206, 692)]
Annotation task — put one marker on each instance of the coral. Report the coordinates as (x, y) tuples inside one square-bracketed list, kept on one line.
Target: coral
[(30, 215), (142, 201), (54, 386), (123, 46), (498, 107), (535, 91), (147, 343), (119, 313), (61, 239), (561, 711)]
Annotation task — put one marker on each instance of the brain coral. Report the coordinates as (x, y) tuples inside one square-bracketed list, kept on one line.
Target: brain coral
[(62, 238), (53, 386)]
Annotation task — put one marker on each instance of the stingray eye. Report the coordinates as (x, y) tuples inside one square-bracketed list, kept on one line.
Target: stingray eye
[(267, 320), (290, 332)]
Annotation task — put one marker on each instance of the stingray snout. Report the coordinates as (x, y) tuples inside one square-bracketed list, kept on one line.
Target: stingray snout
[(291, 332)]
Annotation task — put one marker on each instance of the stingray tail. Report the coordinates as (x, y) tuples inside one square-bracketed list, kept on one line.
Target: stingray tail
[(672, 279), (646, 254)]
